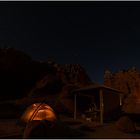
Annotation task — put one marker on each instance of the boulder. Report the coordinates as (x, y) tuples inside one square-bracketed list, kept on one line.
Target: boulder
[(125, 124), (48, 129)]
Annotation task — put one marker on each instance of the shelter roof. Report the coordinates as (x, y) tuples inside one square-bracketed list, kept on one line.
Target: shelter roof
[(96, 87)]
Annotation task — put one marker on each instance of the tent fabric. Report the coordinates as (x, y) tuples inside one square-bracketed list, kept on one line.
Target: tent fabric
[(38, 111)]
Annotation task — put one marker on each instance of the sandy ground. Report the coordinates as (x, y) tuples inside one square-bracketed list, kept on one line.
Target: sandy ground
[(10, 129), (109, 131)]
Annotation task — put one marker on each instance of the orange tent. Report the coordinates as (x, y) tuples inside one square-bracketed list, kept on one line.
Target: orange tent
[(38, 111)]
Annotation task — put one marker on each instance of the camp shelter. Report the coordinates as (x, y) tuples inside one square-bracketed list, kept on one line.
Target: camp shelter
[(38, 111), (106, 98)]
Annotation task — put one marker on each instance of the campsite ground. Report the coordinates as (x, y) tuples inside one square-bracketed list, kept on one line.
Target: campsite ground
[(107, 130), (10, 129)]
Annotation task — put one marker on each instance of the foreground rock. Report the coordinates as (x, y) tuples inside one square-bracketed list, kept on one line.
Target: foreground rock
[(47, 129), (125, 124)]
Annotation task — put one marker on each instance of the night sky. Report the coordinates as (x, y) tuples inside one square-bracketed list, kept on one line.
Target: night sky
[(97, 35)]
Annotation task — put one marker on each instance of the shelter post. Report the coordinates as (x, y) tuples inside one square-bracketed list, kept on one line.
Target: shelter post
[(120, 100), (75, 96), (101, 106)]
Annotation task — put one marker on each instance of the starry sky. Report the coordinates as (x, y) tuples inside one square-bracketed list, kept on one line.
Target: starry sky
[(97, 35)]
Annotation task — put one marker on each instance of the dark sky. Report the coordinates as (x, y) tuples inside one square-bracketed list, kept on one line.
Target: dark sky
[(97, 35)]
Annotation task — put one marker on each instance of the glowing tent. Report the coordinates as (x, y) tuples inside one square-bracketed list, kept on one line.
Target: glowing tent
[(38, 111)]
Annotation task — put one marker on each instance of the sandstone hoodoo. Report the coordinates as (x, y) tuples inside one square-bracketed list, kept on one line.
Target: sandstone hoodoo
[(127, 81)]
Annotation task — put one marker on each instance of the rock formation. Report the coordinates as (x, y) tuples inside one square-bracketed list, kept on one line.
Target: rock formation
[(127, 81), (56, 86), (12, 66), (30, 81)]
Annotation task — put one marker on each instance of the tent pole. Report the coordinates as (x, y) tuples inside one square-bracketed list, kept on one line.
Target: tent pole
[(101, 106), (75, 106)]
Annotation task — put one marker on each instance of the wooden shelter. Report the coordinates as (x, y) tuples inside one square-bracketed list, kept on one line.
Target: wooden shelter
[(108, 98)]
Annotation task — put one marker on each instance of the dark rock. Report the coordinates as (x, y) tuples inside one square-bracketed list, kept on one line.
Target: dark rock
[(46, 129), (125, 124)]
